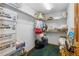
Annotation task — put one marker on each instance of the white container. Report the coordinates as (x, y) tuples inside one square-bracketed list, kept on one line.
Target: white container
[(62, 42)]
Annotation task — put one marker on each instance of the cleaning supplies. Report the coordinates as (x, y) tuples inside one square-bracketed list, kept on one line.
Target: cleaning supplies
[(62, 40), (71, 36), (20, 45)]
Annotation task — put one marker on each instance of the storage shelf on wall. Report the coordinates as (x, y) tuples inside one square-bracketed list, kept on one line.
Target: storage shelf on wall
[(56, 30), (8, 19), (54, 20), (7, 31), (56, 25), (7, 51)]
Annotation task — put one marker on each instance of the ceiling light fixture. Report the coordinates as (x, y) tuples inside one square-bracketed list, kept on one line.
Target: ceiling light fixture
[(47, 6)]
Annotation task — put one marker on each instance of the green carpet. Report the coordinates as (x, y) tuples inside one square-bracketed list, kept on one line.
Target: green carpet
[(49, 50)]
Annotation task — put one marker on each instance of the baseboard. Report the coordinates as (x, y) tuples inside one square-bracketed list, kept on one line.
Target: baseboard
[(53, 44)]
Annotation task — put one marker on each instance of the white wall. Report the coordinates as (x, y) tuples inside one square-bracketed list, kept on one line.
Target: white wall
[(25, 30), (70, 17), (53, 37)]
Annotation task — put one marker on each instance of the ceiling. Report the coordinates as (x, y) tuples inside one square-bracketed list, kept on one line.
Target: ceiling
[(57, 7)]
